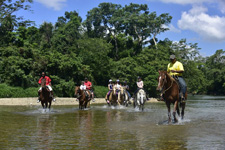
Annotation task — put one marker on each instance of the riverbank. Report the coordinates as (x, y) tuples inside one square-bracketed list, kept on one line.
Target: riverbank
[(59, 101)]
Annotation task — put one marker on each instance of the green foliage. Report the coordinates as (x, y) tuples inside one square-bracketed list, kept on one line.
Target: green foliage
[(114, 42), (100, 91), (10, 92)]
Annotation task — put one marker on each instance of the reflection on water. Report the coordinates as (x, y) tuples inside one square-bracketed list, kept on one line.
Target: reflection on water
[(103, 127)]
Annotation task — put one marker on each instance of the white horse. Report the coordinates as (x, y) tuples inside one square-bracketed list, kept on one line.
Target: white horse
[(140, 99)]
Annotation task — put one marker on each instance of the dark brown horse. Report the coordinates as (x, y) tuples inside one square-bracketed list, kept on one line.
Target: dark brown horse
[(169, 89), (84, 100), (45, 95)]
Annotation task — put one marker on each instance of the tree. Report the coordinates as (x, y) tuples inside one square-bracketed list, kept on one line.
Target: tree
[(8, 20), (67, 31), (142, 25), (104, 22)]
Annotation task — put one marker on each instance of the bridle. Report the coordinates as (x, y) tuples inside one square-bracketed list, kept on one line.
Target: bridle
[(165, 81)]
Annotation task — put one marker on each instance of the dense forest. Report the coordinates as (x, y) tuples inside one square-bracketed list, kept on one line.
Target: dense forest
[(113, 42)]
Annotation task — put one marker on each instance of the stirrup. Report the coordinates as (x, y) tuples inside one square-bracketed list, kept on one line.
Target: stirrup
[(53, 100), (38, 101)]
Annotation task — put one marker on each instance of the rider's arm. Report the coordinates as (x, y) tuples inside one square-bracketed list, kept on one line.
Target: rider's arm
[(178, 71), (39, 82)]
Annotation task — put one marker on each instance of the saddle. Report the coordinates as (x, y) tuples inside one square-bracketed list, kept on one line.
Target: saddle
[(87, 94)]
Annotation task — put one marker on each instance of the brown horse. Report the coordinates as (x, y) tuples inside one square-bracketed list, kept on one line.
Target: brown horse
[(45, 95), (84, 100), (169, 89)]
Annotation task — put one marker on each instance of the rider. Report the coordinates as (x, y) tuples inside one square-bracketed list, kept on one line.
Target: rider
[(176, 69), (89, 87), (118, 86), (127, 88), (140, 85), (110, 87), (48, 84), (82, 86)]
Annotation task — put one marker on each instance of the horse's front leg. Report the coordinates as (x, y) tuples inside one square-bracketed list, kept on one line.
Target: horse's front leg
[(182, 111), (169, 114), (174, 111), (119, 99), (42, 103), (50, 103)]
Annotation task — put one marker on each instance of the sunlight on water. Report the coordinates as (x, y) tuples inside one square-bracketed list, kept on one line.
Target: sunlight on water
[(113, 127)]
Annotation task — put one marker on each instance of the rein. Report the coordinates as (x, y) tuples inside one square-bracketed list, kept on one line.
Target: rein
[(167, 88)]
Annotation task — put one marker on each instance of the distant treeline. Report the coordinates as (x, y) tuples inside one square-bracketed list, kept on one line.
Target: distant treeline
[(114, 42)]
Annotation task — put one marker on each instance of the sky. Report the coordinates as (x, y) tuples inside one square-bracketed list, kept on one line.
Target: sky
[(197, 21)]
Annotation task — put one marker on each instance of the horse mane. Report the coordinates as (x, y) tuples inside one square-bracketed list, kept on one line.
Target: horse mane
[(167, 75)]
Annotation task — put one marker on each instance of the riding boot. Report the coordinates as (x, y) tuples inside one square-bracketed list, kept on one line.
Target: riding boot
[(182, 98), (52, 96), (93, 99)]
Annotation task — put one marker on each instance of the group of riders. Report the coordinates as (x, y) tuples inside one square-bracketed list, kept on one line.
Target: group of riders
[(174, 69), (118, 85)]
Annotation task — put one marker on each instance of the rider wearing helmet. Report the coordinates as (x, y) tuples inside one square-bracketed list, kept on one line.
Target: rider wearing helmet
[(89, 87), (140, 85), (127, 88), (176, 69), (110, 87), (48, 84), (118, 86)]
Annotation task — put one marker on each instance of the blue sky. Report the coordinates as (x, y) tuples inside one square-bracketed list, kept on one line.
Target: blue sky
[(198, 21)]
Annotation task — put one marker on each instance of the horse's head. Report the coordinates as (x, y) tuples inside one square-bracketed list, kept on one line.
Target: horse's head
[(141, 92), (43, 84), (122, 90), (114, 90), (161, 80), (77, 91)]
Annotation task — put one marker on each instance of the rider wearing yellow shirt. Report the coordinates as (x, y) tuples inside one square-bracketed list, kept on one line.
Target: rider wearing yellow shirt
[(176, 69)]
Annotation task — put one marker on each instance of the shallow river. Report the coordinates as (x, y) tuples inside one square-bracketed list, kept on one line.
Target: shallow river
[(103, 127)]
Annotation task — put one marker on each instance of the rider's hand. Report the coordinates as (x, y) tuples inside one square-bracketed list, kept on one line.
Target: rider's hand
[(173, 71)]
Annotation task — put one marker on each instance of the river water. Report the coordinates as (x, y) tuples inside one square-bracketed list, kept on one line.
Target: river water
[(102, 127)]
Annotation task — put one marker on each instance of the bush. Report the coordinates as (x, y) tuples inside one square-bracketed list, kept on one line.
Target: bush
[(100, 91), (14, 92)]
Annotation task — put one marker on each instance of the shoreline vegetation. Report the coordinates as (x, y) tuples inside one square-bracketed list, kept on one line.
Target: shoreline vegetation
[(29, 101)]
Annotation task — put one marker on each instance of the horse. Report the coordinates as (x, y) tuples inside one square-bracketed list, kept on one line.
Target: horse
[(84, 100), (169, 89), (140, 99), (123, 98), (112, 97), (45, 95)]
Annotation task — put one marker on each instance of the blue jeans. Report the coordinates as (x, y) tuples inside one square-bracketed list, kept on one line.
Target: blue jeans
[(182, 84), (128, 94)]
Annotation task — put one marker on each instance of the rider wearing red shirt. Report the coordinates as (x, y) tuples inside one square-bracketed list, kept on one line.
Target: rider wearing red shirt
[(48, 84), (89, 87)]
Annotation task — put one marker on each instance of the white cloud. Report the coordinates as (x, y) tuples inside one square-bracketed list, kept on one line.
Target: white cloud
[(184, 2), (209, 27), (55, 4), (219, 3)]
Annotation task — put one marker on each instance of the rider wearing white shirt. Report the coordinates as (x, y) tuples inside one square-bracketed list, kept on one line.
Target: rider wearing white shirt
[(118, 86), (82, 86), (140, 85)]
